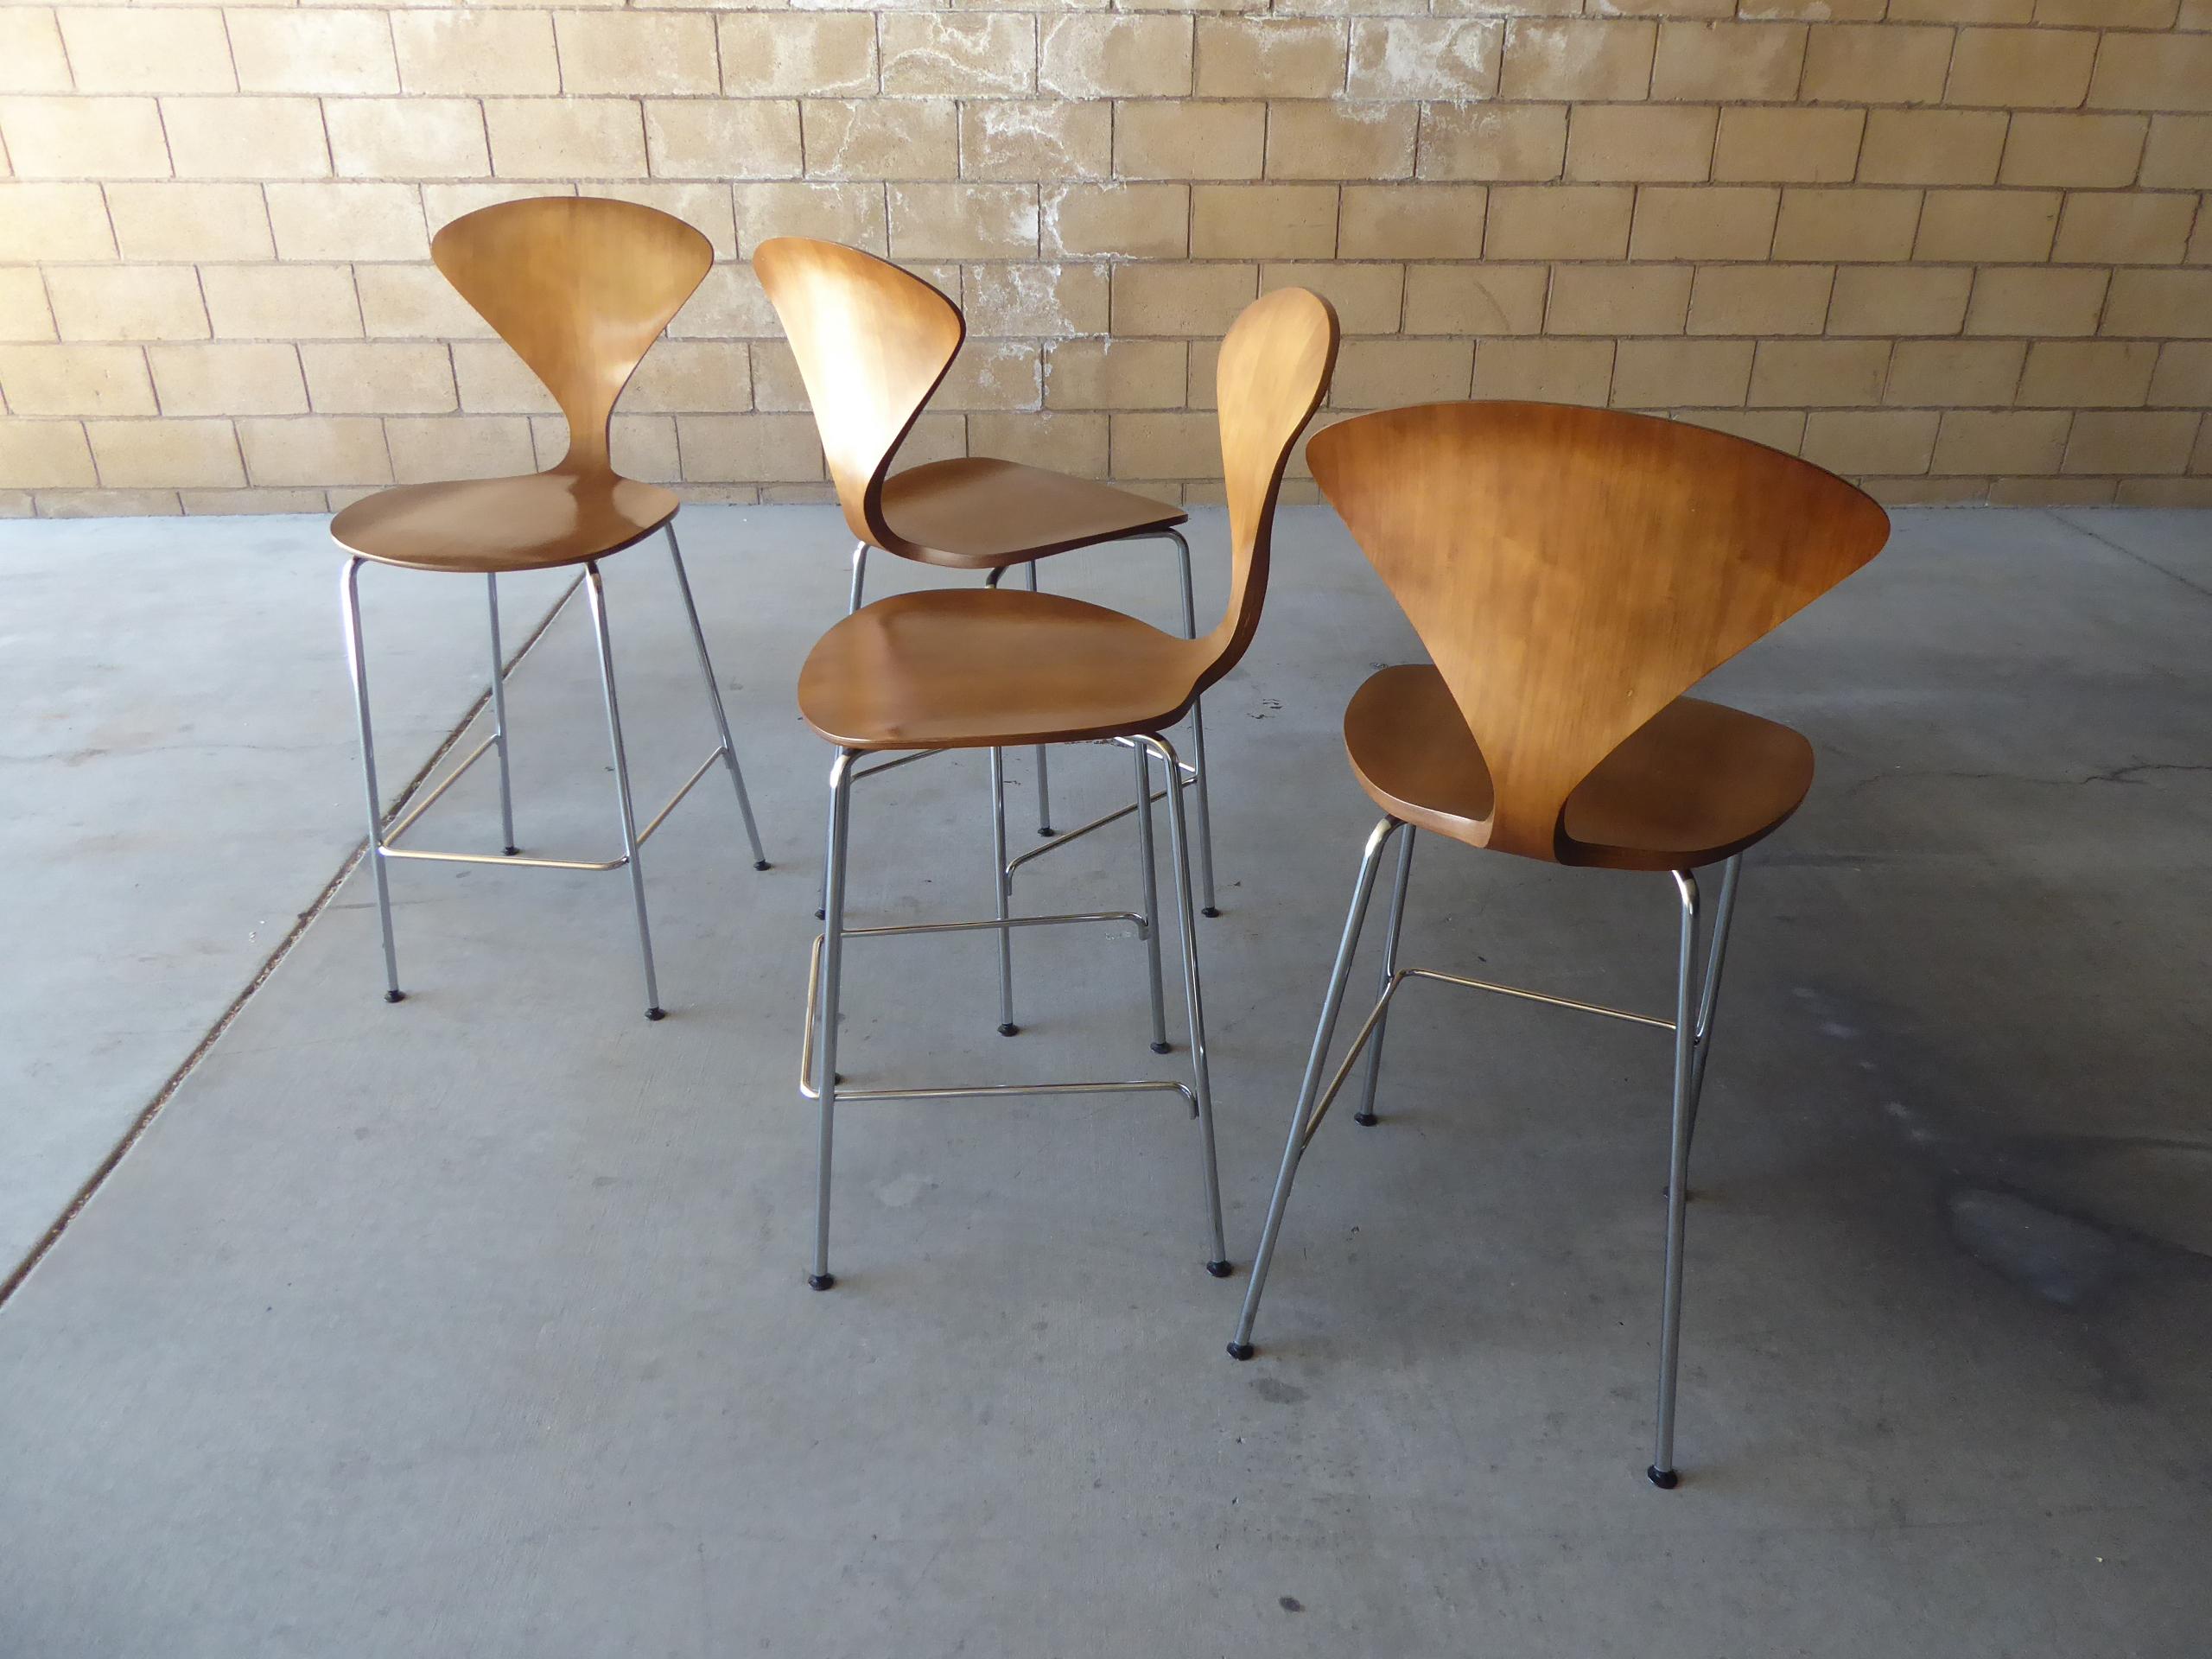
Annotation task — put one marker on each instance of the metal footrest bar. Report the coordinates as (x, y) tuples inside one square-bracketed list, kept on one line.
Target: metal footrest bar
[(1061, 838)]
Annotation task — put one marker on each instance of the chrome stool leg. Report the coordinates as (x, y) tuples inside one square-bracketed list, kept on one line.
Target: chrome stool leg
[(1661, 1472), (1365, 1116), (500, 720), (714, 697), (860, 577), (595, 594), (1044, 777), (1151, 889), (833, 960), (1301, 1129), (1197, 737), (1003, 885), (349, 595), (1716, 952)]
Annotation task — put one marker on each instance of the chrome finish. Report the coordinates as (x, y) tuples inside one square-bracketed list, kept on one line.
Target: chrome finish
[(728, 750), (1149, 881), (1197, 731), (892, 766), (832, 959), (1004, 888), (499, 717), (349, 603), (1044, 777), (392, 835), (1716, 952), (860, 577), (597, 598), (1661, 1472), (1365, 1114)]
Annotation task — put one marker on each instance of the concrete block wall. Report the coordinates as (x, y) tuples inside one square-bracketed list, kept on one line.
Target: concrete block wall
[(1956, 248)]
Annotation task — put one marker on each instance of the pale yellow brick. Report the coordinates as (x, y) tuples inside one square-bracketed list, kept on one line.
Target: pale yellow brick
[(1705, 222), (386, 378), (1488, 142), (1778, 428), (2135, 440), (1036, 138), (1993, 226), (685, 376), (1790, 146), (2184, 377), (2089, 373), (281, 301), (1641, 141), (1559, 222), (246, 137), (635, 52), (1728, 63), (2169, 492), (989, 54), (1487, 299), (1341, 140), (1074, 443), (472, 51), (1863, 441), (1412, 221), (1817, 374), (1962, 11), (1159, 139), (108, 503), (228, 379), (443, 203), (2134, 228), (1135, 221), (1618, 300), (63, 222), (1545, 370), (1116, 373), (179, 49), (251, 500), (315, 451), (717, 138), (414, 303), (491, 379), (85, 137), (642, 446), (1263, 221), (566, 138), (1578, 58), (1899, 300), (1943, 373), (2160, 304), (2000, 441), (1932, 146), (1385, 373), (24, 313), (2178, 153), (992, 374), (1876, 63), (31, 55), (129, 302), (938, 435), (406, 138), (1846, 225), (1195, 299), (1270, 57), (1424, 57), (1115, 56), (347, 222), (45, 455), (729, 302), (748, 449), (166, 454), (2153, 72), (1760, 299), (704, 206), (190, 221), (2021, 68), (1674, 373), (431, 448), (1046, 301), (964, 221), (285, 49), (2035, 302), (1165, 446), (917, 138), (1369, 298), (851, 213), (2074, 150)]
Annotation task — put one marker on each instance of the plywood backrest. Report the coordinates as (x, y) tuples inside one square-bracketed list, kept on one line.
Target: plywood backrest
[(1275, 364), (872, 343), (581, 287), (1572, 571)]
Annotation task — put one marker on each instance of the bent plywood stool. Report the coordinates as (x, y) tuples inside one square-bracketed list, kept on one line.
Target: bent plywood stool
[(1572, 573), (965, 669), (580, 287), (969, 514)]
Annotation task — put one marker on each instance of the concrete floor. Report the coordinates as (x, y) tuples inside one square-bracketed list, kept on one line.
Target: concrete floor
[(476, 1325)]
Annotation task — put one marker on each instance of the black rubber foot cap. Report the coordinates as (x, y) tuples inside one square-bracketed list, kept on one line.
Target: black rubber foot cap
[(820, 915), (395, 996), (1008, 1031), (1665, 1479), (1046, 829), (820, 1281), (656, 1014), (1365, 1120), (1163, 1048), (1220, 1269), (1240, 1350), (759, 863), (511, 852), (1209, 910)]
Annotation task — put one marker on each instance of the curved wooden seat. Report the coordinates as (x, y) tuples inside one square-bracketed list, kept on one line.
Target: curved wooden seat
[(963, 669), (1696, 783), (975, 513), (493, 525)]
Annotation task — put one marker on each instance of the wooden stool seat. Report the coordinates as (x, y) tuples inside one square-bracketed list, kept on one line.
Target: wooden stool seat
[(1698, 782), (960, 669), (977, 513), (489, 526)]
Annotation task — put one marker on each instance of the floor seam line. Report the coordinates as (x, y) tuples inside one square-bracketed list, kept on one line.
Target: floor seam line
[(2128, 552)]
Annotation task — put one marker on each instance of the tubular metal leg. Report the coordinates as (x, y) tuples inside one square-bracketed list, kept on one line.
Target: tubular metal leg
[(1198, 737), (1151, 897), (1661, 1472), (349, 599), (1716, 952), (714, 697), (1240, 1346), (860, 577), (825, 1052), (1179, 850), (499, 719), (1043, 778), (594, 593), (1365, 1114), (1004, 885)]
